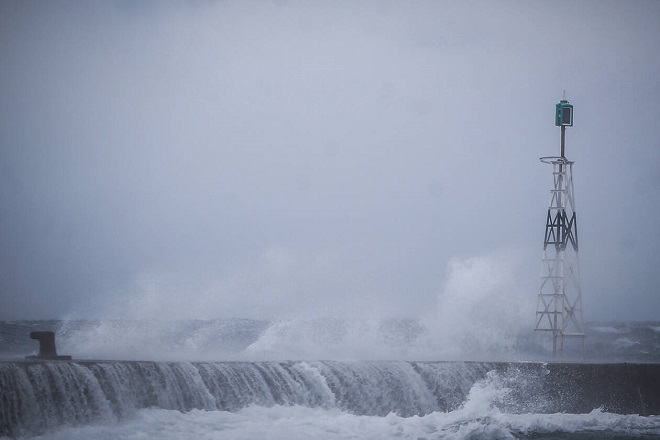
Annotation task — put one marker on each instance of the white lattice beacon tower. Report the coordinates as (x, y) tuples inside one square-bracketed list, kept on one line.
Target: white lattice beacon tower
[(559, 307)]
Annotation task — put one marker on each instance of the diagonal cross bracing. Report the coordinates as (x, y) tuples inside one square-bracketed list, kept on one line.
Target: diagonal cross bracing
[(559, 304)]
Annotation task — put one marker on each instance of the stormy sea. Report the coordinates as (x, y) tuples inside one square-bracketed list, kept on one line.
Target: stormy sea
[(322, 378)]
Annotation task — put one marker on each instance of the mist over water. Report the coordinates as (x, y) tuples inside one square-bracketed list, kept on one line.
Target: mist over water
[(484, 311)]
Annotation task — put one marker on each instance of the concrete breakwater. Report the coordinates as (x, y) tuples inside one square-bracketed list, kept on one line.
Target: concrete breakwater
[(41, 395), (622, 388)]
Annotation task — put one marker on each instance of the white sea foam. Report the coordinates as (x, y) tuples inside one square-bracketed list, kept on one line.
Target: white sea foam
[(473, 421), (625, 342), (334, 339), (606, 329)]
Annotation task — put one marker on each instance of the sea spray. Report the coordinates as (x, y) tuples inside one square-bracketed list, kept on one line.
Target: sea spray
[(485, 310)]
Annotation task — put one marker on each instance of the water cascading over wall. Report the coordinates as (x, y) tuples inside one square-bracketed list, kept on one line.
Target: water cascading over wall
[(40, 396)]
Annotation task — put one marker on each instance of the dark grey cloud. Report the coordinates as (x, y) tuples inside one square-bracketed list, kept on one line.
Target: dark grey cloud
[(264, 159)]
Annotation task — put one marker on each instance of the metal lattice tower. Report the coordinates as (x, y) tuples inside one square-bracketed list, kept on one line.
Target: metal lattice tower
[(559, 306)]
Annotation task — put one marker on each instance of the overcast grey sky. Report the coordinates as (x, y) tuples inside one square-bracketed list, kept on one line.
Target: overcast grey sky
[(268, 159)]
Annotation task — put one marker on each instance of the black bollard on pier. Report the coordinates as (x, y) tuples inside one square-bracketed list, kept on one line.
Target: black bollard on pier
[(47, 348)]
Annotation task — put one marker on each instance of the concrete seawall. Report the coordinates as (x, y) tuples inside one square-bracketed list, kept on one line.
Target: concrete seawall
[(38, 395), (621, 388)]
